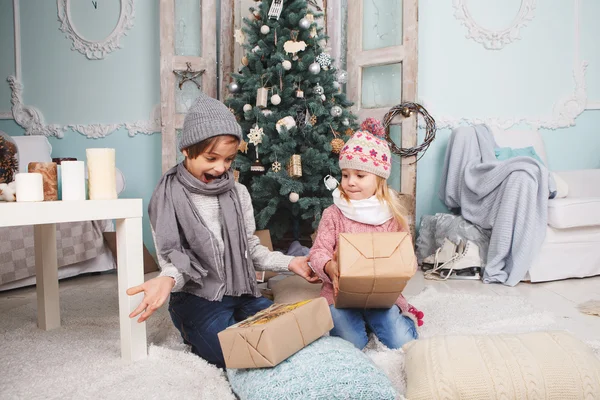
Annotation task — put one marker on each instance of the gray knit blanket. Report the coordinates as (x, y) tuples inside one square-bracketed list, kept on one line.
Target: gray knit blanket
[(509, 197)]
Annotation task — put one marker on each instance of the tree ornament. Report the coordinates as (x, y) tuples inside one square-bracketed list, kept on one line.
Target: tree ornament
[(287, 65), (245, 61), (314, 68), (323, 98), (330, 182), (243, 147), (276, 166), (275, 99), (261, 97), (294, 166), (301, 118), (256, 14), (287, 122), (256, 48), (265, 29), (324, 60), (345, 122), (299, 93), (240, 36), (336, 85), (349, 132), (294, 46), (313, 30), (247, 107), (336, 111), (234, 87), (304, 24), (294, 197), (255, 135), (275, 10), (318, 89), (257, 168), (337, 145), (313, 120), (266, 112), (342, 76)]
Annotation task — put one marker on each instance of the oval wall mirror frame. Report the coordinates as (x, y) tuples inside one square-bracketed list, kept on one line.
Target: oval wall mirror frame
[(96, 50), (494, 39)]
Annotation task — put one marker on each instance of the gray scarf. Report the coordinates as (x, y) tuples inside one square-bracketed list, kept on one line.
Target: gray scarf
[(184, 240)]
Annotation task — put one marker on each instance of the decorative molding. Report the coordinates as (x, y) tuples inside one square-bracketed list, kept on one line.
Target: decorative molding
[(17, 44), (494, 40), (564, 111), (32, 120), (96, 50)]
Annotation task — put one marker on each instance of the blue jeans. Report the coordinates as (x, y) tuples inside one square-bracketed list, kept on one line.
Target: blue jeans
[(391, 327), (199, 320)]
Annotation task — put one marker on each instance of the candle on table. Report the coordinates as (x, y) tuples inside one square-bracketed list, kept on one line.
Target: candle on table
[(49, 178), (72, 180), (30, 187), (102, 174)]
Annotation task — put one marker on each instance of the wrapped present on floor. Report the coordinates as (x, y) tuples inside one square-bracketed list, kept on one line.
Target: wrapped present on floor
[(274, 334), (374, 268)]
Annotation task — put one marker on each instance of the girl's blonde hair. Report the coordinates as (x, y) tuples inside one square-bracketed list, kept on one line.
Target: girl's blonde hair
[(384, 193)]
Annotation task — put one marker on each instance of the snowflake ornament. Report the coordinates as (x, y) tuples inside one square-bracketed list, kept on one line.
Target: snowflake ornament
[(255, 135), (276, 166), (240, 36), (324, 60)]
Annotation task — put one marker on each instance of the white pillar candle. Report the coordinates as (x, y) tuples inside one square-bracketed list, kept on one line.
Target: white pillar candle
[(102, 174), (30, 187), (72, 177)]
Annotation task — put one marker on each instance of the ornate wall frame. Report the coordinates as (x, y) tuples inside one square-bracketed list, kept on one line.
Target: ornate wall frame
[(96, 50), (490, 39)]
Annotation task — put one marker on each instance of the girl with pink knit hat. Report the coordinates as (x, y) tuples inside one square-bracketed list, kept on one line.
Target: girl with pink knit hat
[(363, 202)]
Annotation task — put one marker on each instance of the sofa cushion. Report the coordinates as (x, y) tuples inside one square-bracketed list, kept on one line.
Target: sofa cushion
[(33, 149), (537, 365), (574, 212), (329, 368)]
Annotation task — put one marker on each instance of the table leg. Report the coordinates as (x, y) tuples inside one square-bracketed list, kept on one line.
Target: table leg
[(46, 275), (130, 270)]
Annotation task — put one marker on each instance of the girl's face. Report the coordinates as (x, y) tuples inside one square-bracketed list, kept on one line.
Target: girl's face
[(214, 162), (358, 185)]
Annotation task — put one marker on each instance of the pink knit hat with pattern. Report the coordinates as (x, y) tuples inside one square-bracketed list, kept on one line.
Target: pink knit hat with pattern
[(366, 152)]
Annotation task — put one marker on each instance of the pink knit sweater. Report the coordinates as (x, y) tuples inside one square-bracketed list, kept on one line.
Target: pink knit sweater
[(333, 222)]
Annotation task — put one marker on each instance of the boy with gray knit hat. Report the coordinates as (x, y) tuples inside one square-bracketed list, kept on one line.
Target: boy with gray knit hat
[(203, 227)]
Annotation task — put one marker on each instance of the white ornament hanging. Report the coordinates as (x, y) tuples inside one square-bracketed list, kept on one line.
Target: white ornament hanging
[(294, 197), (336, 85), (324, 60), (286, 122), (247, 107), (304, 24), (318, 89), (323, 98), (342, 76), (275, 99), (286, 64), (265, 29), (345, 122), (240, 36), (262, 95), (255, 135), (276, 166), (336, 111), (255, 49), (314, 68), (267, 112), (299, 94), (276, 8), (330, 182)]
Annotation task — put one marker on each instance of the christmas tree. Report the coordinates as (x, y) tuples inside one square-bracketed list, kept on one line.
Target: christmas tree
[(287, 97)]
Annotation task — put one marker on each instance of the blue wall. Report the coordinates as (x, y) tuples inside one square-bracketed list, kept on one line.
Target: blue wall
[(458, 78)]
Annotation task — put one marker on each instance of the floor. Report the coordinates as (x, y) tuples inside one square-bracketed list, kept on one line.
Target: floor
[(559, 297)]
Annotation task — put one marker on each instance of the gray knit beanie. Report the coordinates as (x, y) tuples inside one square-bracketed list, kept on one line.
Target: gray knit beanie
[(207, 118)]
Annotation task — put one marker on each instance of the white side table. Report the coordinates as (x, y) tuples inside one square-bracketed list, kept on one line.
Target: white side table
[(44, 216)]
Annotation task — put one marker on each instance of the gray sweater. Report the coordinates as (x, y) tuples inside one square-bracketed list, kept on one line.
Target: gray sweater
[(210, 211)]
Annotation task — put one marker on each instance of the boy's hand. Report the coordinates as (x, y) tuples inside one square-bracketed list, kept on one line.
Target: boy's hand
[(331, 269), (299, 266), (156, 291)]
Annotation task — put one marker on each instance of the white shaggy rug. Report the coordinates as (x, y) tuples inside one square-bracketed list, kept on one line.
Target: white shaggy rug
[(81, 359)]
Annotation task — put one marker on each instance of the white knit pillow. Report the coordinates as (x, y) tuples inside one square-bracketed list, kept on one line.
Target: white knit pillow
[(538, 365)]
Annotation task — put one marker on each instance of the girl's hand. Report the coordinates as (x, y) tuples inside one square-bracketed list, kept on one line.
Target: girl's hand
[(299, 266), (332, 271), (156, 291)]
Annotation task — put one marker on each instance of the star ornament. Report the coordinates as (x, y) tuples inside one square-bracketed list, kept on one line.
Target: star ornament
[(276, 166), (255, 135), (240, 36), (189, 75), (243, 147)]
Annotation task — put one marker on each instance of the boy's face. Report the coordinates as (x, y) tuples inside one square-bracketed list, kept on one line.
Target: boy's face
[(358, 185), (214, 162)]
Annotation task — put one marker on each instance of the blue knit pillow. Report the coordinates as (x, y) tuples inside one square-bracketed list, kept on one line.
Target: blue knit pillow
[(329, 368)]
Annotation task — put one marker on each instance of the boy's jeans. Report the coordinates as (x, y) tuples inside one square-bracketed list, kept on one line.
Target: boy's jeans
[(391, 327), (199, 320)]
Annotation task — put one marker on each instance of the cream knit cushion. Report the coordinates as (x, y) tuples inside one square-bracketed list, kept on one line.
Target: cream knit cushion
[(538, 365)]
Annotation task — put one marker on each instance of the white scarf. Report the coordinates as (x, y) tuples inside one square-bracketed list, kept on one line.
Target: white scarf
[(368, 211)]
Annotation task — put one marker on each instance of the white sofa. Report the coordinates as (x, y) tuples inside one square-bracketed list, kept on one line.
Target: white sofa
[(572, 245)]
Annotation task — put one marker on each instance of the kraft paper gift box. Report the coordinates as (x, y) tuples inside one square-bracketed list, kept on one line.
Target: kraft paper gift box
[(274, 334), (374, 268)]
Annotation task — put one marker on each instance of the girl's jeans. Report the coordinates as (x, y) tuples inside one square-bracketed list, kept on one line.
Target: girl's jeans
[(199, 320), (391, 327)]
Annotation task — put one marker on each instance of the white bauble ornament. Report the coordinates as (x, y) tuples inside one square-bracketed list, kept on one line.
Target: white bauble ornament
[(265, 29), (294, 197), (318, 89), (266, 112), (323, 98), (330, 182), (345, 122), (336, 111), (234, 87), (275, 99), (314, 68), (342, 76), (336, 85), (286, 64), (304, 23), (247, 107)]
